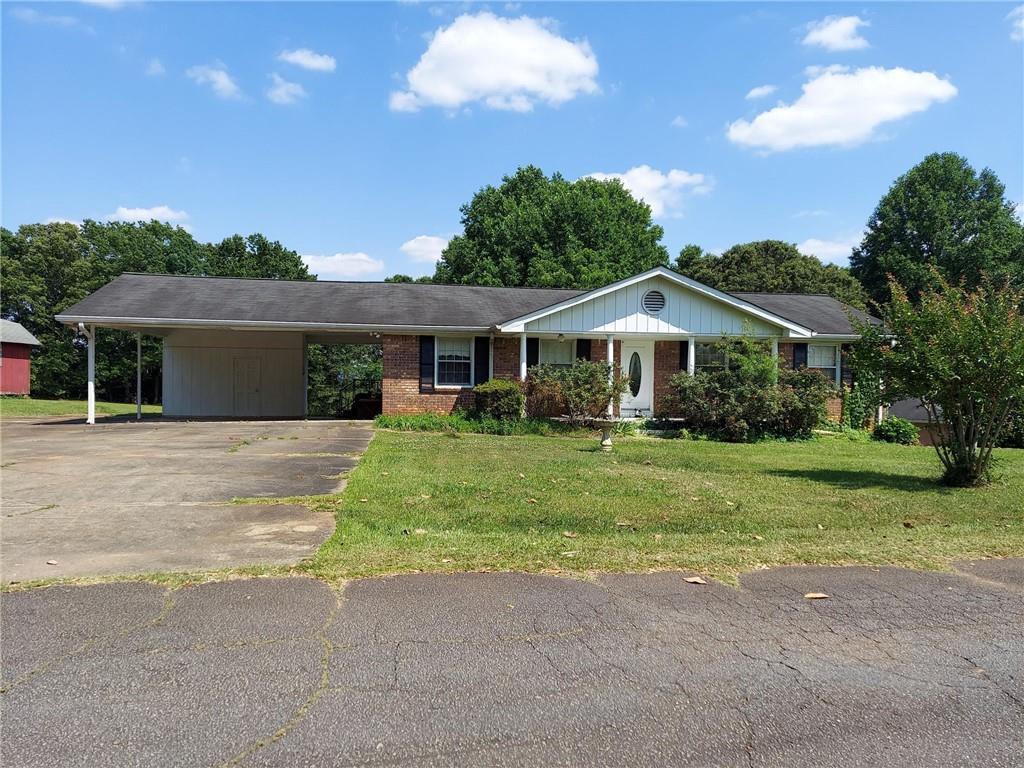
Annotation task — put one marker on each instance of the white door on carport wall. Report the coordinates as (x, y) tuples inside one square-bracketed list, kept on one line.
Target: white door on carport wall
[(247, 387)]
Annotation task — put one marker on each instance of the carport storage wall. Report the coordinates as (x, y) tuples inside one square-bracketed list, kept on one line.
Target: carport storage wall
[(238, 374)]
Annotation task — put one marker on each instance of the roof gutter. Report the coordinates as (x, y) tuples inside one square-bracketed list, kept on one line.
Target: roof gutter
[(256, 325)]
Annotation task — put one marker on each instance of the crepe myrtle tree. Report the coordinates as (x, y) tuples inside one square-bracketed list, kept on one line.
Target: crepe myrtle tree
[(960, 351)]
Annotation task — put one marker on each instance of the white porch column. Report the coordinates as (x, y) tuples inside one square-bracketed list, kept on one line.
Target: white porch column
[(522, 356), (138, 376), (90, 334), (610, 341), (691, 356)]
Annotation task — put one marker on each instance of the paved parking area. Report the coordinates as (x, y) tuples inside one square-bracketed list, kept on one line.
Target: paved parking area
[(126, 497), (896, 668)]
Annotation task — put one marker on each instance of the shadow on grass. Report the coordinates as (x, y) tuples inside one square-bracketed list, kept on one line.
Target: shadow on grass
[(842, 478)]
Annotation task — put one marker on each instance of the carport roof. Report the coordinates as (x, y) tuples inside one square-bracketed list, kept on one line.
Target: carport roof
[(134, 299)]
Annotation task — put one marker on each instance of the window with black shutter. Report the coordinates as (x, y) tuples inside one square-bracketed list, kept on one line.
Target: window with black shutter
[(799, 356), (481, 359), (684, 355), (532, 352), (583, 349)]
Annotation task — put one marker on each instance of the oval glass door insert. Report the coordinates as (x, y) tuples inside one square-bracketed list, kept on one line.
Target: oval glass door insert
[(635, 374)]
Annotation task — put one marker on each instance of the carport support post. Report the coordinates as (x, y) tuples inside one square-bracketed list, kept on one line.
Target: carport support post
[(90, 334), (611, 373), (522, 357), (138, 377)]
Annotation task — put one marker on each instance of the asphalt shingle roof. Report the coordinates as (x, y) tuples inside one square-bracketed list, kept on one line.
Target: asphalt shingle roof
[(15, 333), (173, 297), (820, 313), (134, 296)]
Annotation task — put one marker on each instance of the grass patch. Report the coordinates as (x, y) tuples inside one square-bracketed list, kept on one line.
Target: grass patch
[(462, 423), (30, 406), (459, 501)]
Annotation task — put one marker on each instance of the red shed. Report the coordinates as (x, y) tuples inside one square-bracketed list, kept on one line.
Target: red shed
[(15, 358)]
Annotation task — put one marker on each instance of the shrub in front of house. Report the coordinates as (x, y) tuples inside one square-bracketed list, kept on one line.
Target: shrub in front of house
[(896, 430), (578, 392), (500, 399), (466, 423), (750, 401)]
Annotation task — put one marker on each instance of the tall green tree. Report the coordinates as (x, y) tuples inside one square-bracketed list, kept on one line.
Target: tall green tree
[(770, 266), (255, 256), (942, 214), (541, 231)]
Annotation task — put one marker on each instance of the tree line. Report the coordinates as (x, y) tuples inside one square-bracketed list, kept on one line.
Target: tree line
[(941, 221)]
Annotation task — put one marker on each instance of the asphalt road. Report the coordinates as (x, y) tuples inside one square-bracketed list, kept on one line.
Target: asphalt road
[(127, 497), (896, 668)]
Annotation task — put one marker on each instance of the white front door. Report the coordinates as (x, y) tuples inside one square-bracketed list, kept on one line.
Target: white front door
[(637, 366)]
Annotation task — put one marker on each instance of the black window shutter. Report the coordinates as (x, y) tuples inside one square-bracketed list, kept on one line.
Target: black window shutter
[(582, 349), (684, 355), (426, 363), (799, 356), (481, 359), (532, 352)]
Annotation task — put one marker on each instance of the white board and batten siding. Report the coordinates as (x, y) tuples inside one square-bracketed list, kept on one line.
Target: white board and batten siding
[(233, 374), (621, 312)]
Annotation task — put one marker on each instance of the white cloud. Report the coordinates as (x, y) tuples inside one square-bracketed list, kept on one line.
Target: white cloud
[(842, 108), (342, 266), (307, 59), (761, 91), (282, 91), (158, 212), (679, 122), (155, 68), (110, 5), (1016, 18), (663, 192), (837, 33), (216, 76), (424, 248), (836, 251), (504, 63), (1019, 210), (32, 16)]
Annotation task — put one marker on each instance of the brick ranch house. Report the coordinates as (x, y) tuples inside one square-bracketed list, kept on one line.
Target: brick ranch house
[(236, 348)]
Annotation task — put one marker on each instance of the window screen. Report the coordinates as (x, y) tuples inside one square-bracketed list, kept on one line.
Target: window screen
[(555, 352), (454, 362)]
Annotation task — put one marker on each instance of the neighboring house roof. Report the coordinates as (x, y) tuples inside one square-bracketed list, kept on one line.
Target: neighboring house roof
[(15, 333), (149, 299), (910, 409), (152, 300), (827, 316)]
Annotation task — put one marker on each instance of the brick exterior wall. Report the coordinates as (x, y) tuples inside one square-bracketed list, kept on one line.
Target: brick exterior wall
[(506, 357), (401, 382), (666, 365)]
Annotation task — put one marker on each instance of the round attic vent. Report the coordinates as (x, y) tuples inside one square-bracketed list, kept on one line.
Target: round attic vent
[(653, 302)]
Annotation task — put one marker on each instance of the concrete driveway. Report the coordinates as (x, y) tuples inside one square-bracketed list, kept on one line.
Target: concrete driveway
[(126, 497), (896, 668)]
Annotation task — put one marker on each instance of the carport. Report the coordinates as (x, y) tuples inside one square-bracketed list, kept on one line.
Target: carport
[(227, 353)]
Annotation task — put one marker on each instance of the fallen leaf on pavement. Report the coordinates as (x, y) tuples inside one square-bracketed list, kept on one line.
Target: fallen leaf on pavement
[(51, 562), (695, 580), (815, 596)]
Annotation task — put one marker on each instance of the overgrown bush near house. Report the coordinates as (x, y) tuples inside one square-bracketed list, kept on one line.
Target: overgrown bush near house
[(861, 401), (896, 430), (579, 392), (460, 422), (500, 399), (751, 399)]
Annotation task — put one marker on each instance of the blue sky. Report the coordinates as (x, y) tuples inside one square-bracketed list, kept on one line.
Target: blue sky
[(353, 132)]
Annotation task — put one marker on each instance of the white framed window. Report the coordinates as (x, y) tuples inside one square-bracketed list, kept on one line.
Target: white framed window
[(821, 356), (453, 361), (709, 356), (824, 358), (555, 352)]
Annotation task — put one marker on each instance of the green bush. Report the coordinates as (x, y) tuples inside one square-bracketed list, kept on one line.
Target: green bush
[(460, 422), (896, 430), (500, 399), (861, 400), (579, 391), (750, 400)]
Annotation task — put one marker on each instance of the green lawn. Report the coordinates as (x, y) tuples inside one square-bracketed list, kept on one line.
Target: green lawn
[(30, 406), (449, 502)]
